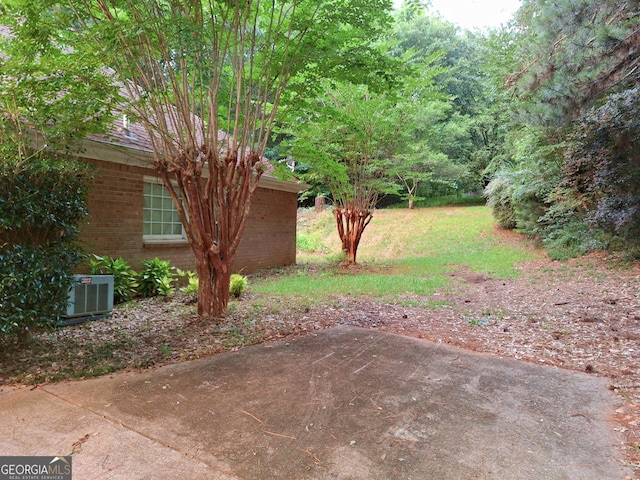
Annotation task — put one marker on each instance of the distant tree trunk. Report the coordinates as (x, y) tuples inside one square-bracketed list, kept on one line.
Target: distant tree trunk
[(319, 203), (351, 224), (411, 206)]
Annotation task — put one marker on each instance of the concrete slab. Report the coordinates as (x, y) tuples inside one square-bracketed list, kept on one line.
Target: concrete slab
[(347, 403), (35, 422)]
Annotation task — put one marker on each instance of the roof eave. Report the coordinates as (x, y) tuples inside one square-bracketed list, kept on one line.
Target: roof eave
[(109, 152)]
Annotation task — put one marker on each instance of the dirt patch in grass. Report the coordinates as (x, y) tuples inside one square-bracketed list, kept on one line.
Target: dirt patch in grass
[(583, 315)]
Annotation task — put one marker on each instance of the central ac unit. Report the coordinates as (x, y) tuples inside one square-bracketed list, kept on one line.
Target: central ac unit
[(90, 298)]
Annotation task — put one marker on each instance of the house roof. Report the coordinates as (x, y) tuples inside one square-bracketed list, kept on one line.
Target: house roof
[(128, 143)]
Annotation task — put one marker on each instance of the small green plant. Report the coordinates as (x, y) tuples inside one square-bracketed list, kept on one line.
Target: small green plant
[(478, 322), (156, 278), (166, 350), (309, 241), (238, 285), (192, 278), (125, 278)]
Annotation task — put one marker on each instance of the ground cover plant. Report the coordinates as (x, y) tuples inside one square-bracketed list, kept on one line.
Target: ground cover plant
[(446, 275)]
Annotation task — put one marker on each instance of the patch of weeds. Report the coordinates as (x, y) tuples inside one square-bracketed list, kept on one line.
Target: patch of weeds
[(257, 307), (124, 336), (438, 304), (336, 258), (563, 332), (309, 241), (409, 303), (233, 337), (166, 350), (127, 306), (479, 322), (494, 313)]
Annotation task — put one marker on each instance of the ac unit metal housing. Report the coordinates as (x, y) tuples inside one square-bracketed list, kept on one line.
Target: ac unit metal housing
[(90, 298)]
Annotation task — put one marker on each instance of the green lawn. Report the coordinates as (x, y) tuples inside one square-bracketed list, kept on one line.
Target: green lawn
[(402, 252)]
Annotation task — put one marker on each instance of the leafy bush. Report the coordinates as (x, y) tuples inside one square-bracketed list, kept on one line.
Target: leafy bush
[(156, 278), (42, 202), (499, 194), (309, 242), (34, 286), (602, 165), (192, 278), (125, 278), (238, 285)]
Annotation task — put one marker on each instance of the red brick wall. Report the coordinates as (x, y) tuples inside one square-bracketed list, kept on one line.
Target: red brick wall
[(269, 238), (114, 225)]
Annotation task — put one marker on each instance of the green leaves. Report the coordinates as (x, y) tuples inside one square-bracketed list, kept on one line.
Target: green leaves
[(125, 278), (156, 278), (34, 285), (45, 84), (42, 201), (574, 53)]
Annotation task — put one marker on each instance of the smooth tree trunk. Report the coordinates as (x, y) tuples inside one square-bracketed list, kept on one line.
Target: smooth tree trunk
[(351, 223)]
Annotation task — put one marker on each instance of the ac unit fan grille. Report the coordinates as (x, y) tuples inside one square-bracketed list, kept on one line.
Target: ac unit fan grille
[(91, 295)]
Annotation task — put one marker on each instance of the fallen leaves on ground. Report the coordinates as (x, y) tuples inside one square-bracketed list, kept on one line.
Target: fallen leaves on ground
[(583, 314)]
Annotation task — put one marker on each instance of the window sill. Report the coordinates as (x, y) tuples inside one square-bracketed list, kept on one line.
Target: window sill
[(164, 242)]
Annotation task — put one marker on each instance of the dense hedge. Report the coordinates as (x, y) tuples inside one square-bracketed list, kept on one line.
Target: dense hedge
[(42, 202)]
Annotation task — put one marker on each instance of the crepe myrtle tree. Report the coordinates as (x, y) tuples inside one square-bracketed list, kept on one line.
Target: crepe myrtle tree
[(206, 79), (350, 139)]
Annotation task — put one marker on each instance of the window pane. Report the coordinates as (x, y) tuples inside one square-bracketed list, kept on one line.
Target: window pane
[(160, 217), (157, 189)]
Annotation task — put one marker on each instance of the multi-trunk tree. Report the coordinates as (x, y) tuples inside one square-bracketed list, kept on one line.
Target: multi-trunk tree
[(206, 78), (350, 138)]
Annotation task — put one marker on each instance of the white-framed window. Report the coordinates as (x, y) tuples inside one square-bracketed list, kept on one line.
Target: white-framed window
[(160, 219)]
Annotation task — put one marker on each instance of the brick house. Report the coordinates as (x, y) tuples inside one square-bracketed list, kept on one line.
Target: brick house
[(131, 214)]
